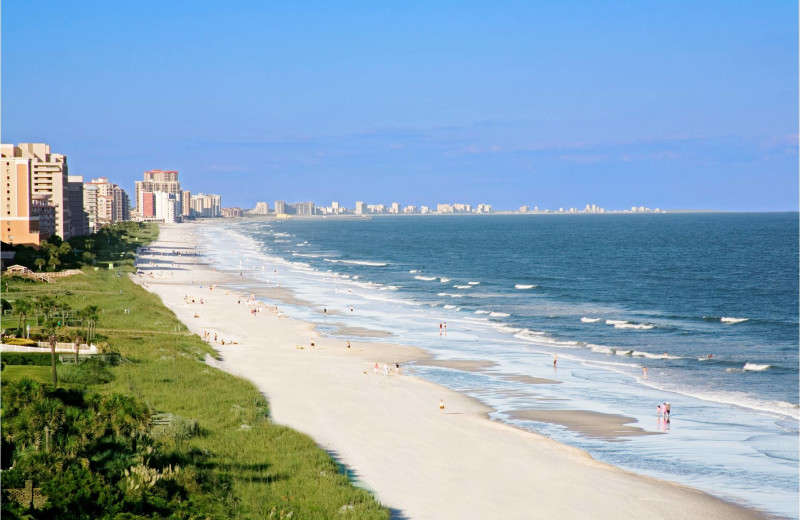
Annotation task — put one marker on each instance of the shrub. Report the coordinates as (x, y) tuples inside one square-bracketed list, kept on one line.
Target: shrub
[(90, 372), (20, 342), (28, 358)]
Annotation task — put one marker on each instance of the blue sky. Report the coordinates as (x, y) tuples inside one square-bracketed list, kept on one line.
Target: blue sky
[(556, 104)]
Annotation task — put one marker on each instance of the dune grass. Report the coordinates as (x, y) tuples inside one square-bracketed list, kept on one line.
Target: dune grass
[(218, 421)]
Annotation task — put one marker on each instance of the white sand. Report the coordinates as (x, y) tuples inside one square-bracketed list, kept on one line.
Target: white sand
[(422, 462)]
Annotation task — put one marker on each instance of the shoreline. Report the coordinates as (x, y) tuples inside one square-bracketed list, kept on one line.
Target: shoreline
[(388, 429)]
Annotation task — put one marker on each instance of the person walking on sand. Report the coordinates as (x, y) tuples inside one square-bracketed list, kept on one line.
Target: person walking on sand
[(667, 410), (445, 327), (644, 371), (348, 343), (555, 360), (440, 329), (376, 368)]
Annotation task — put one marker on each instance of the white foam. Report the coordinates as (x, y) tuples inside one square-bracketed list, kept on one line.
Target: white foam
[(732, 321), (590, 320), (449, 306), (357, 262), (638, 326), (463, 286), (523, 286), (499, 314), (444, 280), (413, 271), (304, 255), (425, 278), (754, 367), (614, 322), (473, 283), (481, 312)]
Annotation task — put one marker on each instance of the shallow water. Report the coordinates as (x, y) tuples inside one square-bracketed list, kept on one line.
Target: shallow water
[(608, 293)]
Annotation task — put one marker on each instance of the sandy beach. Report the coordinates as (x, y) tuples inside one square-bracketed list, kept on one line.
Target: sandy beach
[(419, 460)]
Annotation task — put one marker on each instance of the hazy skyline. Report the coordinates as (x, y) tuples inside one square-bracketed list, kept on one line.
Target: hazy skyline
[(672, 105)]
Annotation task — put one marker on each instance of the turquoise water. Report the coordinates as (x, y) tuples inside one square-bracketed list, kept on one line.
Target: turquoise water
[(608, 293)]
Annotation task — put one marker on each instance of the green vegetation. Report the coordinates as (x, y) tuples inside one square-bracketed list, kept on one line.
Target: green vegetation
[(116, 243), (215, 427)]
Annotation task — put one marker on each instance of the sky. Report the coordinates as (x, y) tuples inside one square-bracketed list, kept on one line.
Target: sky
[(677, 105)]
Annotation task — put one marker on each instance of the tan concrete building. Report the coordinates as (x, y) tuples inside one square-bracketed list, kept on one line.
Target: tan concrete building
[(105, 203), (19, 223), (47, 175), (186, 203)]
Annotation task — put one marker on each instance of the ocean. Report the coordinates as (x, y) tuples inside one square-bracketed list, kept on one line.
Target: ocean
[(707, 303)]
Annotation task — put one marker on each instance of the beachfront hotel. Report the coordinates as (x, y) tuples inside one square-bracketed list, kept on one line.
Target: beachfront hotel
[(35, 186), (104, 203)]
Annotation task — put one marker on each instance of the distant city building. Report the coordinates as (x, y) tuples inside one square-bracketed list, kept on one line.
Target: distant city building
[(361, 208), (335, 207), (410, 210), (167, 207), (484, 208), (262, 208), (524, 209), (206, 206), (186, 204), (157, 181), (280, 207), (78, 218), (232, 212), (444, 208), (424, 210), (395, 208), (304, 209), (104, 203)]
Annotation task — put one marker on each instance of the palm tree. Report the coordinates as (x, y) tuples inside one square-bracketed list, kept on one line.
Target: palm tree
[(23, 307), (89, 315), (51, 327), (40, 262)]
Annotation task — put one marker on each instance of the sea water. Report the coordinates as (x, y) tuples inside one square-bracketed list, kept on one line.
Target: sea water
[(708, 303)]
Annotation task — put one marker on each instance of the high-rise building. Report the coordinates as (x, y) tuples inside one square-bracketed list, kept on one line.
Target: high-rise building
[(78, 218), (280, 207), (395, 208), (304, 209), (262, 208), (105, 203), (157, 180), (361, 208), (48, 175), (232, 212), (20, 223), (335, 207), (186, 203), (167, 207), (206, 205)]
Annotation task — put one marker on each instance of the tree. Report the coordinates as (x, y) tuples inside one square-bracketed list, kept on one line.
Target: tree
[(40, 262), (51, 328), (89, 316), (23, 307)]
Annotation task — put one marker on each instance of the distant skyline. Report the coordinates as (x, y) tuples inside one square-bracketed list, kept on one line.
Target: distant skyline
[(675, 105)]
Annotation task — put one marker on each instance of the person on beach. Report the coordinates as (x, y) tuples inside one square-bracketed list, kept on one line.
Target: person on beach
[(376, 368), (658, 410), (325, 311), (397, 369), (667, 411), (555, 360), (644, 371), (312, 343), (440, 329), (348, 343), (441, 404)]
